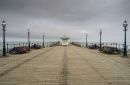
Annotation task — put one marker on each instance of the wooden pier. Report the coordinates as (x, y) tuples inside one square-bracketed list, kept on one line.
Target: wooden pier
[(65, 65)]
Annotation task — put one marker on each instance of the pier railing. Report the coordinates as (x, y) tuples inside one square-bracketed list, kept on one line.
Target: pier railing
[(110, 44), (10, 45)]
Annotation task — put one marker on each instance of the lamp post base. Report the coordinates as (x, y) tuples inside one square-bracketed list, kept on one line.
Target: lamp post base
[(7, 55), (124, 56)]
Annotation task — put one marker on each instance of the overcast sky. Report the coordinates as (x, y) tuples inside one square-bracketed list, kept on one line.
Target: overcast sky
[(74, 18)]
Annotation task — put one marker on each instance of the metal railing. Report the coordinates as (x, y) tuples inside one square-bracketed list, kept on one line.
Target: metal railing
[(10, 45), (117, 45)]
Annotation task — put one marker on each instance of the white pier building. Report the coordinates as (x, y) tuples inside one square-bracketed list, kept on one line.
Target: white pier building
[(65, 41)]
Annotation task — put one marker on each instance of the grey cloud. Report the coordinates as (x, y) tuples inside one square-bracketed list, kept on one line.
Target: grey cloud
[(70, 17)]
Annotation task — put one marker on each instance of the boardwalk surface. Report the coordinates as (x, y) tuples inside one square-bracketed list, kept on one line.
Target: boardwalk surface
[(65, 66)]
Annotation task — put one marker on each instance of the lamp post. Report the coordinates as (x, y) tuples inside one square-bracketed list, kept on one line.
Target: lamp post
[(86, 40), (43, 41), (28, 39), (3, 24), (125, 26), (100, 39)]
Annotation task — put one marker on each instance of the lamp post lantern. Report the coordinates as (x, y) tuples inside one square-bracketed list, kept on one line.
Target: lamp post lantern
[(100, 39), (43, 44), (86, 40), (125, 48), (3, 24), (28, 39)]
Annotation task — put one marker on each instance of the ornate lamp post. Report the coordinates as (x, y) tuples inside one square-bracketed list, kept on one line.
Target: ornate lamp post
[(43, 44), (125, 48), (28, 39), (100, 39), (3, 24), (86, 40)]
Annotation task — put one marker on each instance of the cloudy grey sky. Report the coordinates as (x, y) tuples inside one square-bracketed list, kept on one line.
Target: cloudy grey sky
[(71, 17)]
